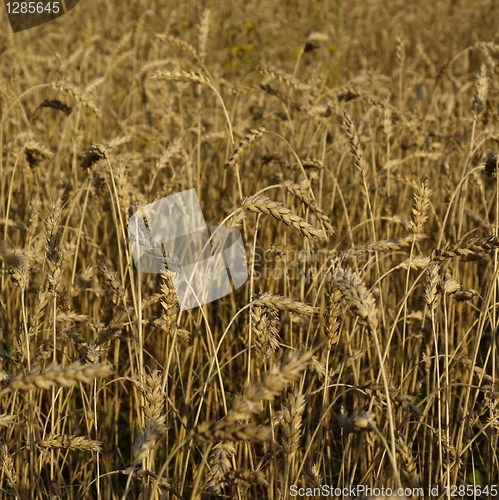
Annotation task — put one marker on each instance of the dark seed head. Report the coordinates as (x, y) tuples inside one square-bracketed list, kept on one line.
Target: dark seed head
[(490, 168)]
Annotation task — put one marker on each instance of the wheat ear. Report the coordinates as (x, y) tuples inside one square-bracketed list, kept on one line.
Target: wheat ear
[(461, 248), (264, 205), (283, 304), (57, 375)]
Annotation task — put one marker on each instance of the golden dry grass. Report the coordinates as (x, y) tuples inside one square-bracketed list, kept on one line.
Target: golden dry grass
[(355, 146)]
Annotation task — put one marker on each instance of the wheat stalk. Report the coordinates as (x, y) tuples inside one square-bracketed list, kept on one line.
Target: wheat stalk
[(36, 152), (180, 44), (466, 248), (387, 245), (332, 311), (245, 477), (204, 29), (292, 423), (79, 95), (264, 205), (283, 304), (57, 375), (244, 146), (420, 208), (231, 431), (8, 466), (146, 440), (181, 76), (283, 77), (432, 280), (68, 442), (359, 297), (170, 302), (409, 471), (272, 383), (9, 257), (221, 456), (301, 192), (264, 322), (154, 397), (355, 147)]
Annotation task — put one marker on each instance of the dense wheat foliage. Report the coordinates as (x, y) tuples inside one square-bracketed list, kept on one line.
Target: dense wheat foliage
[(355, 146)]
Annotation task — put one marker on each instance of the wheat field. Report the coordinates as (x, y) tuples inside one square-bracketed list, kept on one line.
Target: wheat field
[(354, 144)]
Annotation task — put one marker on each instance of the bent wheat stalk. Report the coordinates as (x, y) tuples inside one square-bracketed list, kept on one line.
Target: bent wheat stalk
[(461, 248), (283, 304), (264, 205)]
